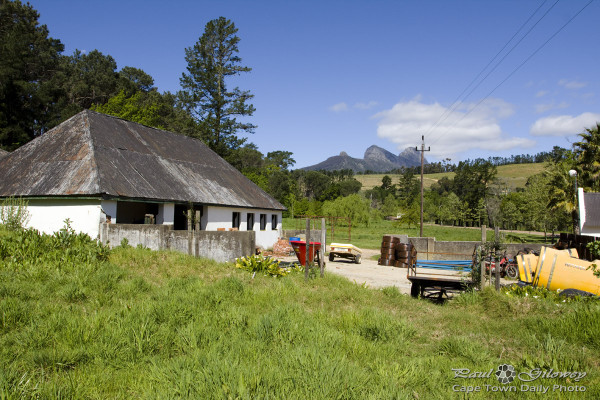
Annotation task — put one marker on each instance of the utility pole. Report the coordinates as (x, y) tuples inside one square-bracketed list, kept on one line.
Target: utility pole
[(422, 163)]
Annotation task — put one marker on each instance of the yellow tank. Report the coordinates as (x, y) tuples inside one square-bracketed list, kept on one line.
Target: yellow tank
[(528, 263), (557, 270)]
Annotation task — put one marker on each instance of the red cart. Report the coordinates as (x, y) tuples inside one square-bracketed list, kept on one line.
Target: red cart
[(300, 250)]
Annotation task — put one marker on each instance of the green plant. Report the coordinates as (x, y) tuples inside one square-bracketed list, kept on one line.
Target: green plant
[(268, 265), (594, 248), (14, 214)]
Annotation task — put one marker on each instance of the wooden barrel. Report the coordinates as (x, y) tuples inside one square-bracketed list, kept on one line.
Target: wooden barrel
[(386, 261)]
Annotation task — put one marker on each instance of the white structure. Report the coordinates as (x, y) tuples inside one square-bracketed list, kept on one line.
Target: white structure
[(95, 169), (589, 213)]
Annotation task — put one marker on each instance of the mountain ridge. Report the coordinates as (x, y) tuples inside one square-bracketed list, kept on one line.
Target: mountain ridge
[(376, 159)]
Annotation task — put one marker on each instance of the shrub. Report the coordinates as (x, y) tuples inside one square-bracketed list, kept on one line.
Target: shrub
[(14, 214), (260, 263)]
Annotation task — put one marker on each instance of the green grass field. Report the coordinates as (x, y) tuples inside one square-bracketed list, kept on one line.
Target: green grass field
[(146, 324), (514, 175), (370, 237)]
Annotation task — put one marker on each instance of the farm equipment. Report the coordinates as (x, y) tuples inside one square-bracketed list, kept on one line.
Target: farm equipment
[(438, 280), (559, 270), (343, 250), (300, 250), (508, 267)]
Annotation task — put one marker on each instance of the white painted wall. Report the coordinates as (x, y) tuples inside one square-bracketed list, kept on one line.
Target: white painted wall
[(166, 214), (221, 217), (48, 216)]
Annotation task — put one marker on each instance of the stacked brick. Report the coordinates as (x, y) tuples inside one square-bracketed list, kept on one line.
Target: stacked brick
[(396, 254)]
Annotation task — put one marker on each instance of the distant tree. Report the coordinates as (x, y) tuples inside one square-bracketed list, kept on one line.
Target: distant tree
[(281, 159), (411, 214), (349, 186), (409, 188), (354, 206), (29, 61), (472, 181), (386, 182), (390, 206), (210, 61)]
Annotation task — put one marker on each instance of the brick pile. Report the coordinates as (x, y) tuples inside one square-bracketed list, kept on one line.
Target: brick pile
[(282, 248)]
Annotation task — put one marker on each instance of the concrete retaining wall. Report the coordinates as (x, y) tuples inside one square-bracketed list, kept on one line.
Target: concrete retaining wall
[(431, 249), (219, 246)]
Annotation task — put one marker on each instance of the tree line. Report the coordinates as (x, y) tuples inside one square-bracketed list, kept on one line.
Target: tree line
[(40, 87)]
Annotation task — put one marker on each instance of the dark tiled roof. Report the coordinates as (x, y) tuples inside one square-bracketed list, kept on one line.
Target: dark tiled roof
[(95, 154), (592, 208)]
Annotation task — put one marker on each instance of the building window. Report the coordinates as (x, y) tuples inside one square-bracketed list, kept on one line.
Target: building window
[(235, 220), (263, 222), (274, 222), (250, 222)]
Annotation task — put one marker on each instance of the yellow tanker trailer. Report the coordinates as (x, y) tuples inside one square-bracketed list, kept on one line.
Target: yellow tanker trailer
[(558, 270)]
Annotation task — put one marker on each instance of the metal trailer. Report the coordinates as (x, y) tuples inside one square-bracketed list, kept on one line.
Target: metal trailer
[(439, 280), (345, 250)]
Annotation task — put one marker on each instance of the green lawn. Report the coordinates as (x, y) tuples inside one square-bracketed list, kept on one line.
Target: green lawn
[(370, 237), (147, 324)]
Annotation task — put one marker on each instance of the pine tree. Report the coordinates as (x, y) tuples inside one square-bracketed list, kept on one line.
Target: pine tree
[(212, 60)]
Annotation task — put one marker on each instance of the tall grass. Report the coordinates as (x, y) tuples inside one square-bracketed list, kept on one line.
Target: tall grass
[(146, 324)]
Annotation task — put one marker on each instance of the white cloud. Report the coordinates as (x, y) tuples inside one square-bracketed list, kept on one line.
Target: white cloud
[(572, 84), (541, 93), (563, 125), (339, 107), (541, 108), (467, 127), (365, 106)]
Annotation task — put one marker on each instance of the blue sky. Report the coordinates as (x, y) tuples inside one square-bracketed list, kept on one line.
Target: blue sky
[(332, 76)]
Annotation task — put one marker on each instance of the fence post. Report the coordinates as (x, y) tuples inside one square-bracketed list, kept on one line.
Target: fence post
[(323, 244), (306, 263), (482, 273), (497, 274), (483, 234)]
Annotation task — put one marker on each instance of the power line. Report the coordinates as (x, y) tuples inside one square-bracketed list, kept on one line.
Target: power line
[(456, 102), (516, 69)]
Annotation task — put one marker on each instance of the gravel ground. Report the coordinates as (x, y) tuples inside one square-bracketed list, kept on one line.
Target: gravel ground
[(367, 272)]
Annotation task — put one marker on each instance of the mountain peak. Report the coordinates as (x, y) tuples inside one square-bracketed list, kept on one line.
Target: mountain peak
[(376, 159)]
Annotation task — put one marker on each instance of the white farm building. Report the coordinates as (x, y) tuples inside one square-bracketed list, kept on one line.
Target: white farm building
[(95, 169)]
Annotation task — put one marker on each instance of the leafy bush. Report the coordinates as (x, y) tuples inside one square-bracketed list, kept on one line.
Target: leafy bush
[(14, 214), (260, 263), (65, 248)]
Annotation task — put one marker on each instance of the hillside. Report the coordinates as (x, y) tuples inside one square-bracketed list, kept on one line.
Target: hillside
[(514, 175)]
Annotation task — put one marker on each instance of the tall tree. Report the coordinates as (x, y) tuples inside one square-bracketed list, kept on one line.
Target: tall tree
[(587, 157), (212, 60), (29, 59), (89, 79)]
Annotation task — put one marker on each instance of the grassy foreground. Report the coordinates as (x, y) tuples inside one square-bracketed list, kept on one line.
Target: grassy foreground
[(146, 324)]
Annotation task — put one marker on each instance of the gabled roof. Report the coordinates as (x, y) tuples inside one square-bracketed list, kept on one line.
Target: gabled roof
[(93, 154)]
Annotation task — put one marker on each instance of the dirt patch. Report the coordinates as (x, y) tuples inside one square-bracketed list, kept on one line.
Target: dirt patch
[(367, 272)]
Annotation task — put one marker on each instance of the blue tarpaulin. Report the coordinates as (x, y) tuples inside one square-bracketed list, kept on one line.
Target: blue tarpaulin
[(448, 265)]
